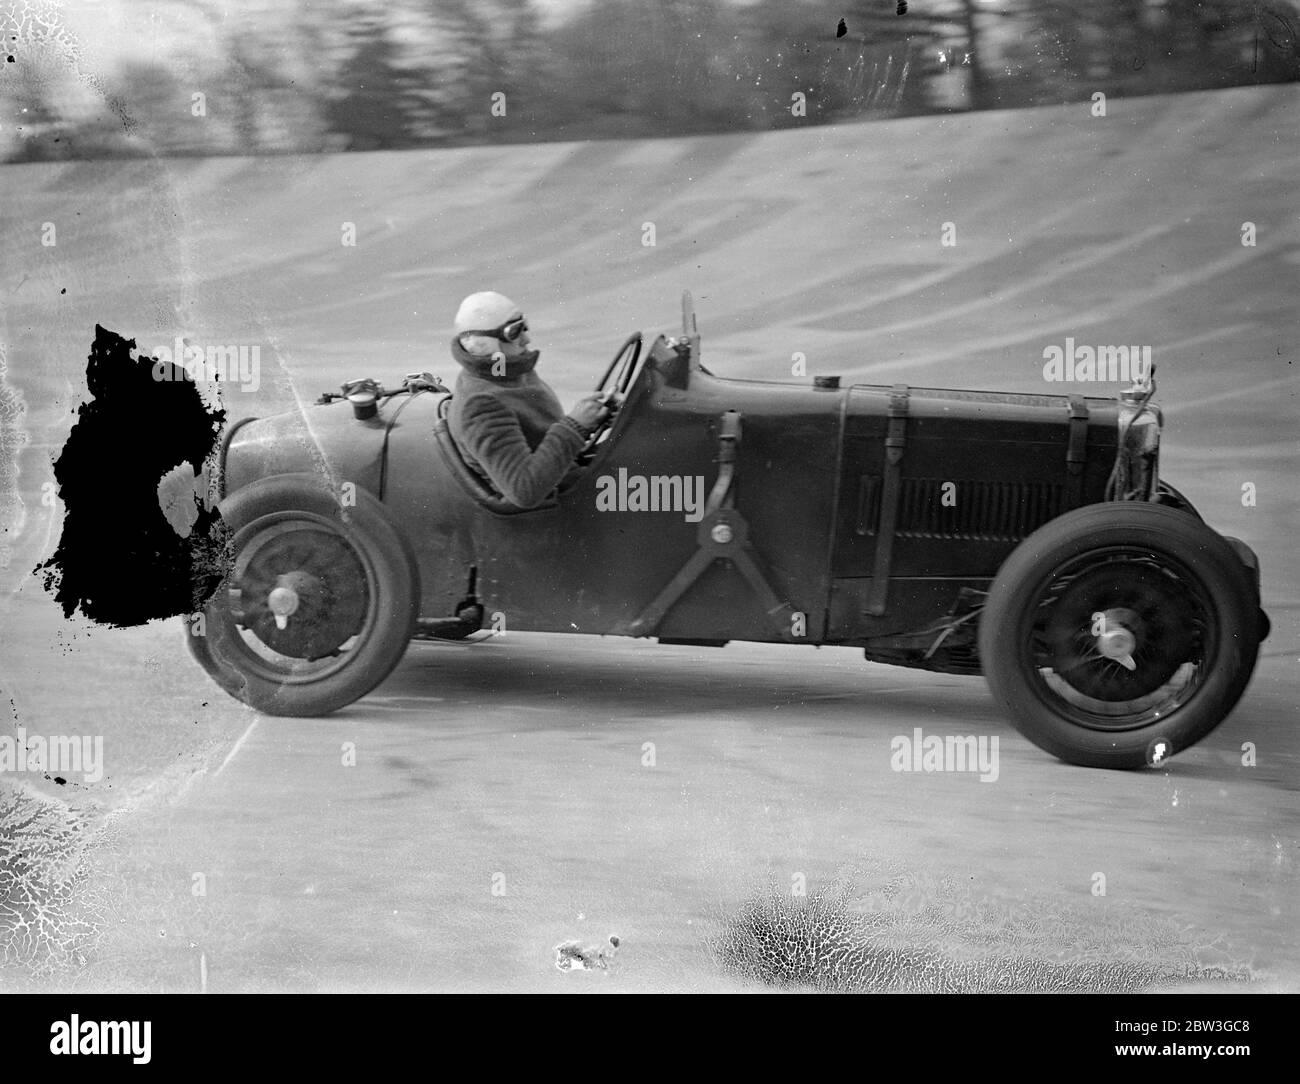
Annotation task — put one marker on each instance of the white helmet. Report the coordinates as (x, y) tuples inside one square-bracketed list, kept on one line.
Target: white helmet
[(483, 311)]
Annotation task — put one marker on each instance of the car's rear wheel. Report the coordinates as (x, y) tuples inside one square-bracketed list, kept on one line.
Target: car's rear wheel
[(318, 605), (1119, 634)]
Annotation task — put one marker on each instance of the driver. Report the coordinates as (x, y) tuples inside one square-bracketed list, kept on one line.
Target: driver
[(505, 419)]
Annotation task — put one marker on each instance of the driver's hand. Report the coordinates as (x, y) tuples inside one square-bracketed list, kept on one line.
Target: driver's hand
[(590, 411)]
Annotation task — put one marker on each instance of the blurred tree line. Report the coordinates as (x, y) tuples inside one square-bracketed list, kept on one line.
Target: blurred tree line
[(317, 75)]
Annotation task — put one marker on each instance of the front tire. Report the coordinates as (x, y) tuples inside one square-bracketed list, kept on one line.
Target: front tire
[(319, 603), (1119, 634)]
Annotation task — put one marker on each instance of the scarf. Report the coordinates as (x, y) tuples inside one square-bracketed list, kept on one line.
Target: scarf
[(481, 365)]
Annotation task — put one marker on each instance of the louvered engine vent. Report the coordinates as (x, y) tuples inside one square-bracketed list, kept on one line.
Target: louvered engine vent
[(989, 511)]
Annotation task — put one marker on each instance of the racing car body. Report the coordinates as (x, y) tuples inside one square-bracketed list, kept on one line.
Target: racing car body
[(1024, 536)]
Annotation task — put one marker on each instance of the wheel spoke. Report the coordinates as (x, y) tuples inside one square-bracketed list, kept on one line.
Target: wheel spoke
[(1112, 632), (313, 566)]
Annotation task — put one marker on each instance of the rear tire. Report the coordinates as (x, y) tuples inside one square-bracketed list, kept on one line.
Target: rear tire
[(1120, 634), (350, 576)]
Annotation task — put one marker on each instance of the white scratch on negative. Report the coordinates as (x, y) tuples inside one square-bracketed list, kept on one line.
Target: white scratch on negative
[(193, 778), (238, 745), (13, 438)]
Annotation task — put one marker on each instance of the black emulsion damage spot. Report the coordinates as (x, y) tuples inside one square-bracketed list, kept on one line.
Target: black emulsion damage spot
[(125, 556)]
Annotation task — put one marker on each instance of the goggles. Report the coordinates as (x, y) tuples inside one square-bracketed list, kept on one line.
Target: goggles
[(508, 332)]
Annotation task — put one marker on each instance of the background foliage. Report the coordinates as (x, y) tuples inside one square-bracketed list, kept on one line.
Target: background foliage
[(282, 76)]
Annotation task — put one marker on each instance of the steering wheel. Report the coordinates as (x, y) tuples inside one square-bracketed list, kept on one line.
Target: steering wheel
[(623, 368)]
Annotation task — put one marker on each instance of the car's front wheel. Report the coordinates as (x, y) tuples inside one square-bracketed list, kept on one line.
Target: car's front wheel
[(319, 602), (1119, 634)]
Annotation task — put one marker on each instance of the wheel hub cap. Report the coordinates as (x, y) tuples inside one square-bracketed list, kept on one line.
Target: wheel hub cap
[(1114, 638), (283, 603)]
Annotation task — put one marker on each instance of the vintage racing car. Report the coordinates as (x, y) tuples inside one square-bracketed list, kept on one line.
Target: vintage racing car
[(1024, 536)]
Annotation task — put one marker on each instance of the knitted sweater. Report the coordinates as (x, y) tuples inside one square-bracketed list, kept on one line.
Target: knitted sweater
[(511, 429)]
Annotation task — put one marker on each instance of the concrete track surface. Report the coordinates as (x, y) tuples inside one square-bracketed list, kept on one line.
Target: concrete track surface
[(502, 799)]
